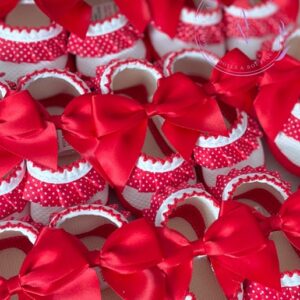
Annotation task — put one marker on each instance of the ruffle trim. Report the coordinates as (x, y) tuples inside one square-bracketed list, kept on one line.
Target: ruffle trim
[(292, 127), (22, 227), (105, 212), (290, 283), (150, 182), (254, 27), (104, 44), (201, 35), (106, 74), (33, 52), (239, 146), (11, 192), (69, 77), (66, 194), (251, 174), (174, 196)]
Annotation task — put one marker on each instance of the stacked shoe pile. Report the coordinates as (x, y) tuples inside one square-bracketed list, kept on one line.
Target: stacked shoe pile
[(132, 163)]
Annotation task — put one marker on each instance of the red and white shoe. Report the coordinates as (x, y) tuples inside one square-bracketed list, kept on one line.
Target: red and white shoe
[(110, 36), (193, 212), (198, 27), (157, 166), (249, 26), (218, 154), (12, 204), (75, 182), (29, 41), (283, 136), (16, 240), (270, 197), (92, 224)]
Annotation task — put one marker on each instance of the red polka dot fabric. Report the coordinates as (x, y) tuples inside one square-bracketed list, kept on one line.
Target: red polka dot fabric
[(255, 291), (33, 52), (292, 128), (12, 202), (150, 182), (100, 45), (231, 154), (64, 194)]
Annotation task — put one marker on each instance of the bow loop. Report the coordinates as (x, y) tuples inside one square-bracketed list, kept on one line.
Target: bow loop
[(121, 123), (73, 15), (21, 130)]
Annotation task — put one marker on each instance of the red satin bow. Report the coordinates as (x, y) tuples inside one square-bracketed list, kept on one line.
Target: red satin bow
[(287, 220), (74, 15), (24, 134), (164, 14), (236, 91), (57, 267), (279, 93), (121, 124), (140, 261)]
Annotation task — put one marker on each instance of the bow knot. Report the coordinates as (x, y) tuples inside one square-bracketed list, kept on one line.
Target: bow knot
[(151, 109), (56, 120), (199, 248), (9, 287), (275, 222)]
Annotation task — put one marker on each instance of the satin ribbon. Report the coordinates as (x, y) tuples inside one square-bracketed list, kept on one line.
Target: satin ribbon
[(121, 124), (164, 14), (57, 267), (279, 93), (24, 134), (73, 15), (140, 261), (236, 91), (286, 220)]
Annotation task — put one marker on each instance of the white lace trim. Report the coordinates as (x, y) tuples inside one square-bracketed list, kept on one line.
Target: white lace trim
[(80, 86), (58, 177), (7, 187), (229, 187), (32, 35), (116, 67), (24, 228), (160, 215), (89, 210), (259, 11), (199, 18), (159, 166), (108, 26), (290, 280), (171, 59), (220, 141)]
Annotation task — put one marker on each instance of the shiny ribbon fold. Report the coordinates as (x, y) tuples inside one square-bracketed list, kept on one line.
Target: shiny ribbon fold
[(140, 261), (25, 134), (121, 124), (73, 15), (57, 267)]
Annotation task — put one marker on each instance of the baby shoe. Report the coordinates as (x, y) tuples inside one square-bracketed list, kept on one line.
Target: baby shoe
[(25, 260), (283, 136), (110, 36), (271, 197), (92, 224), (29, 41), (200, 26), (191, 211), (160, 161), (241, 146), (75, 181), (250, 25), (12, 203)]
